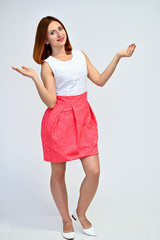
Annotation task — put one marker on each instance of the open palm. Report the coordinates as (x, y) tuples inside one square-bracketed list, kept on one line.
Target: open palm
[(28, 72)]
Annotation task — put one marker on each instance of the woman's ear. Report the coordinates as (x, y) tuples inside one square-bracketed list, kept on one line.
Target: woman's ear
[(46, 42)]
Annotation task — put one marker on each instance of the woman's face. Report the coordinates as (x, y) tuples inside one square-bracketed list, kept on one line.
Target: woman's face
[(56, 35)]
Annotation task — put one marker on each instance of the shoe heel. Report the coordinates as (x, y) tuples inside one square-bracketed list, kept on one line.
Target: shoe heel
[(73, 217)]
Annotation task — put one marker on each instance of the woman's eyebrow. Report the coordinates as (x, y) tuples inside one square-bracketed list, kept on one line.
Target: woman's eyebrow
[(54, 29)]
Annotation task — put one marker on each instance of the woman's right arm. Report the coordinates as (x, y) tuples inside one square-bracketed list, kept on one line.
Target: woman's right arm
[(47, 91), (48, 95)]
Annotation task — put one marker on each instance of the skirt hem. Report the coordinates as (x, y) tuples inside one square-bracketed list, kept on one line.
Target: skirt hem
[(88, 155)]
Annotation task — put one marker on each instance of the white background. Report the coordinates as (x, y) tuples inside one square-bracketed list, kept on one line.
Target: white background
[(127, 107)]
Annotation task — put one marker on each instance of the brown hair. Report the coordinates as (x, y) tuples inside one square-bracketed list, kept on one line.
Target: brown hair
[(41, 50)]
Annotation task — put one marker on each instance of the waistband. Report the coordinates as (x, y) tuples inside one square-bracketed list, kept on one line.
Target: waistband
[(73, 100)]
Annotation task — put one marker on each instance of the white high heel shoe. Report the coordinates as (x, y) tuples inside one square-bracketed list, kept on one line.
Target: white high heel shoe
[(89, 231), (69, 235)]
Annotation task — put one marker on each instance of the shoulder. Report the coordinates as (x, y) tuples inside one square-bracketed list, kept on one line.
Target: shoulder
[(48, 60), (46, 66), (86, 57), (78, 51), (46, 63), (82, 51)]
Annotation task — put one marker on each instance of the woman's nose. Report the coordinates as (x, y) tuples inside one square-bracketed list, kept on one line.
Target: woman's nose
[(59, 34)]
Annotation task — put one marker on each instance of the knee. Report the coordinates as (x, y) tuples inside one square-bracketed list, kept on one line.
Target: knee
[(94, 173), (58, 175)]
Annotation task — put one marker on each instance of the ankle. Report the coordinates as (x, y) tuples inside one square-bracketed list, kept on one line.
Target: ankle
[(67, 221), (80, 214), (68, 227)]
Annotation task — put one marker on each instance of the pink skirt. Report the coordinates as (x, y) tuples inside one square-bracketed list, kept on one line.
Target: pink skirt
[(69, 130)]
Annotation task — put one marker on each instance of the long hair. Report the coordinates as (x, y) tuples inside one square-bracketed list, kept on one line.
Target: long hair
[(41, 50)]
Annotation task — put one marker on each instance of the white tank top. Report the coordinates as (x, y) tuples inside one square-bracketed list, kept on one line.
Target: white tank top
[(70, 76)]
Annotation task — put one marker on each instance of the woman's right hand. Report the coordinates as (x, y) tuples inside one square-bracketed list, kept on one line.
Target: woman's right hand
[(28, 72)]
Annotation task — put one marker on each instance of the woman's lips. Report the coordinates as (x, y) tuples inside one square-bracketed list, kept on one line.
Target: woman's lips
[(60, 40)]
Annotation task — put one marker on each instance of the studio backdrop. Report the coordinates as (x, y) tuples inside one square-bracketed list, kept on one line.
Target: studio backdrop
[(126, 107)]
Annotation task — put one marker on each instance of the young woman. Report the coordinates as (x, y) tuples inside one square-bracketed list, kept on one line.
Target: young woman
[(69, 128)]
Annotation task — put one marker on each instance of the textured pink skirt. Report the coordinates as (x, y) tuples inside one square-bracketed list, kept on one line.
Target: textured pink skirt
[(69, 130)]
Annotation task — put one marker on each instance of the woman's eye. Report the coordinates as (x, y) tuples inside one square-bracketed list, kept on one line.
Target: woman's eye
[(59, 29)]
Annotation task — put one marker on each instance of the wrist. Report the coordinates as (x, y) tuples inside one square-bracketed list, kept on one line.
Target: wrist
[(118, 56), (35, 78)]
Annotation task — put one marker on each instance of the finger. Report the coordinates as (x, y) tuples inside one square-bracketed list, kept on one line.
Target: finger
[(129, 51), (25, 67), (14, 68), (17, 69), (20, 71), (132, 47), (132, 51)]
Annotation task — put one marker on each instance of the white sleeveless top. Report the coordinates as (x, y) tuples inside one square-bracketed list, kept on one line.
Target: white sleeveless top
[(70, 76)]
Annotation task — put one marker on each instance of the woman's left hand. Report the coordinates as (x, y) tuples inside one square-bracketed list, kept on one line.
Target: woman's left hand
[(127, 52)]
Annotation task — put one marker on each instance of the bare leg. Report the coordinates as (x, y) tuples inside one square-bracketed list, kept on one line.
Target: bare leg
[(88, 187), (59, 193)]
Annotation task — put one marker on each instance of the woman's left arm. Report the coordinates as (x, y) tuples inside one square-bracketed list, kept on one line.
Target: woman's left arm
[(101, 79)]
